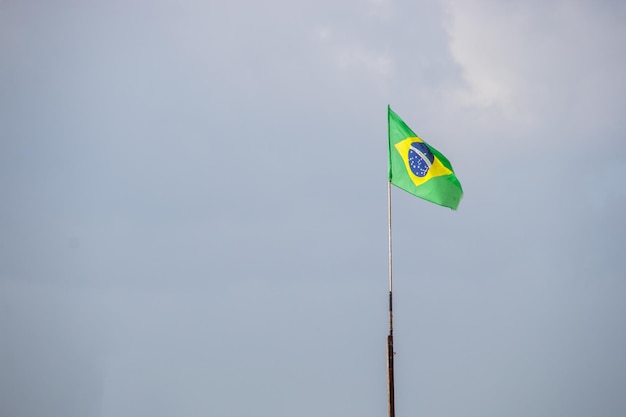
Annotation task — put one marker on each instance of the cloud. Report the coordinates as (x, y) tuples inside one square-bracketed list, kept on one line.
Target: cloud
[(525, 57), (354, 57), (381, 9), (490, 77)]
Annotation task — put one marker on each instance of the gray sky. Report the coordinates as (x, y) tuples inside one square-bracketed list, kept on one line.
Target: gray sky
[(194, 223)]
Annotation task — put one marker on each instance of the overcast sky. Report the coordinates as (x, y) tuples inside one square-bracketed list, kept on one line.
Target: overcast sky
[(193, 216)]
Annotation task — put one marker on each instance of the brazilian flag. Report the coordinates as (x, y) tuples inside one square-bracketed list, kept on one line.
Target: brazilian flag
[(418, 168)]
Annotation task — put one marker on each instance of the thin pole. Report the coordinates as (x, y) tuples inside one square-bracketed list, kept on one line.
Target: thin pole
[(390, 352)]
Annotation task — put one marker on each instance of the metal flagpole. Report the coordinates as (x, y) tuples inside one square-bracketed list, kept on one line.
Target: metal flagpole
[(390, 352)]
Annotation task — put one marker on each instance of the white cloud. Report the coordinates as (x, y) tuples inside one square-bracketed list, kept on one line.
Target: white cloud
[(534, 59), (482, 54), (381, 9), (353, 57)]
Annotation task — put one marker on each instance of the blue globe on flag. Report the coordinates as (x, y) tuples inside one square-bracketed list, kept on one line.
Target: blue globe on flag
[(420, 159)]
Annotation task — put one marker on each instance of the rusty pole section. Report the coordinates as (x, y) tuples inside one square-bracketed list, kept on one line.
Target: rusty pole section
[(390, 353)]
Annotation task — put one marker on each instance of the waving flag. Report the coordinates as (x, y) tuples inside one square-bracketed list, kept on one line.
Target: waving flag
[(418, 168)]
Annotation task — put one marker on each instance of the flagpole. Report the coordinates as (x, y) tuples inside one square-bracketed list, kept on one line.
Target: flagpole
[(390, 352)]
